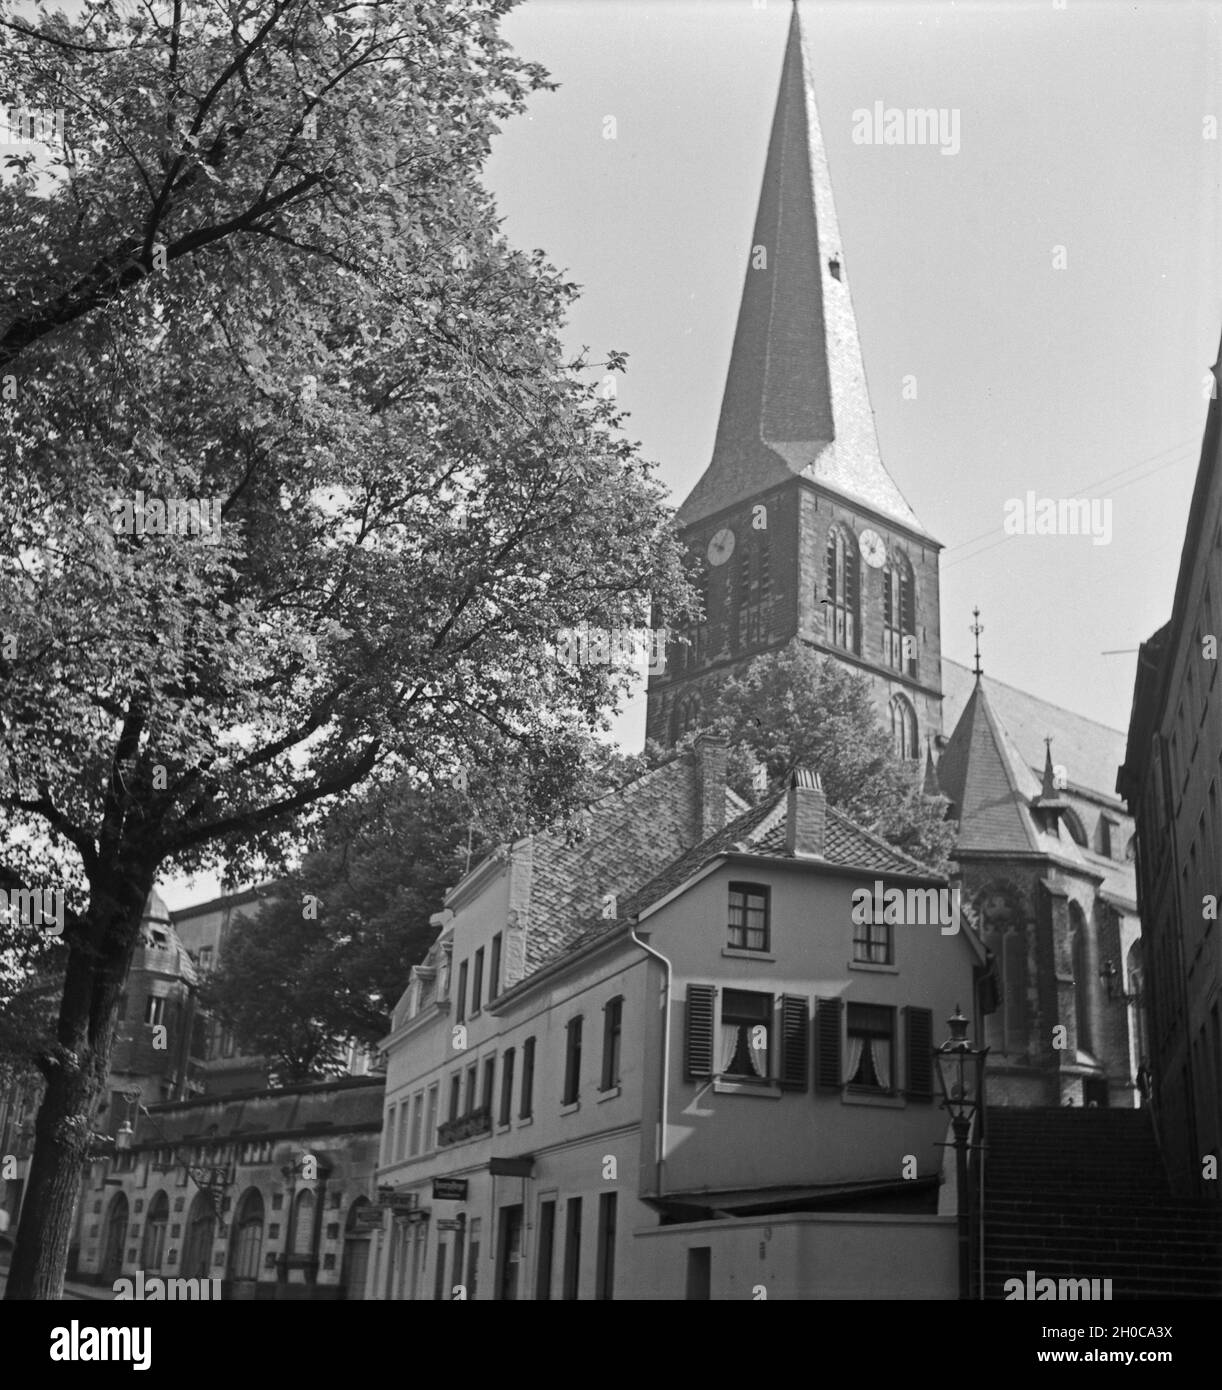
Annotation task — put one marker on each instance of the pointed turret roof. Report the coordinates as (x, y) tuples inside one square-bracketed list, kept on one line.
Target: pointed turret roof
[(993, 791), (796, 401)]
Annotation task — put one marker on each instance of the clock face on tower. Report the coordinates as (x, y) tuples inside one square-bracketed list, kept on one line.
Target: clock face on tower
[(721, 547), (873, 548)]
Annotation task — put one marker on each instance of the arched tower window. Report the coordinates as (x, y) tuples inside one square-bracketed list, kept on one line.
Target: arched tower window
[(843, 590), (903, 727), (899, 613), (754, 591)]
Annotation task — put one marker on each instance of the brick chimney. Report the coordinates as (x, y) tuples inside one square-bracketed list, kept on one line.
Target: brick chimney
[(805, 813), (710, 754)]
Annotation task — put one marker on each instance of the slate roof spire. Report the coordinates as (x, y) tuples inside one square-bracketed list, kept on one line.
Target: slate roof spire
[(796, 400)]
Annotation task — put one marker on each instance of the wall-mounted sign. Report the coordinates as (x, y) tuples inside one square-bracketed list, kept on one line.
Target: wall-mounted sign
[(512, 1167), (449, 1189)]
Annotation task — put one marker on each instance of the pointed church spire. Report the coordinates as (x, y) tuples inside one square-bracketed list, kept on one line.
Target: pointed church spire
[(976, 629), (796, 400), (930, 786)]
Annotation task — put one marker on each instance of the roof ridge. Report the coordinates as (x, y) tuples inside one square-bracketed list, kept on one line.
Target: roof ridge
[(1041, 699), (878, 840)]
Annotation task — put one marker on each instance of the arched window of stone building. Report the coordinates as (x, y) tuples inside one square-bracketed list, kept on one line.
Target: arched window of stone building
[(1014, 989), (687, 715), (153, 1251), (247, 1245), (903, 727), (1081, 977), (899, 612), (201, 1231), (843, 584), (1077, 831), (303, 1221), (116, 1238), (1136, 973), (355, 1263)]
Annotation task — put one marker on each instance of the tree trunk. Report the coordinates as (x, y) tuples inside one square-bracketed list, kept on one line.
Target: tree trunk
[(75, 1071)]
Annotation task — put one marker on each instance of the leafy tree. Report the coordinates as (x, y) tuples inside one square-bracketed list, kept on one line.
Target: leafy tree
[(323, 963), (263, 275), (797, 707)]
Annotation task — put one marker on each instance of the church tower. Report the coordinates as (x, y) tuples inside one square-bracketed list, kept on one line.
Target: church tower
[(796, 529)]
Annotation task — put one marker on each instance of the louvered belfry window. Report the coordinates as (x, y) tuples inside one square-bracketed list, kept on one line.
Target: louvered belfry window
[(842, 590)]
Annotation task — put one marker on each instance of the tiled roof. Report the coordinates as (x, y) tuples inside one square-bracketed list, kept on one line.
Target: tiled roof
[(991, 787), (1090, 752), (630, 836), (759, 830), (796, 402)]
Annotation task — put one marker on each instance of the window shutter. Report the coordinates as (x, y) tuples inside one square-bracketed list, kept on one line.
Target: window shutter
[(701, 1001), (918, 1047), (795, 1042), (827, 1041)]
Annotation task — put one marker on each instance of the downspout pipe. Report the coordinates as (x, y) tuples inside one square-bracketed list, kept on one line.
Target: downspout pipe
[(664, 1103)]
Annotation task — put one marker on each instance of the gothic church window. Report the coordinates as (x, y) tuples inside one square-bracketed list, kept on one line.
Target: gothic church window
[(899, 613), (755, 584), (843, 621), (903, 728)]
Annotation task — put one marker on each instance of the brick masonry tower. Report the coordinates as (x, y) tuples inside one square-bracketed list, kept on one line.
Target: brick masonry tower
[(795, 529)]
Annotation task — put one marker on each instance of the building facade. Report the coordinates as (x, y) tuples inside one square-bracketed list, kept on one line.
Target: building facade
[(1055, 906), (266, 1191), (604, 1109), (1171, 779)]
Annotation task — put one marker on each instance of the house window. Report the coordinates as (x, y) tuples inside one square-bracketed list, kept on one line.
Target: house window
[(205, 959), (842, 589), (470, 1105), (872, 942), (430, 1124), (572, 1061), (494, 968), (228, 1043), (417, 1121), (604, 1284), (489, 1084), (455, 1094), (401, 1151), (748, 916), (388, 1138), (460, 1004), (477, 983), (526, 1108), (154, 1009), (543, 1261), (613, 1018), (572, 1247), (473, 1258), (746, 1020), (506, 1086), (871, 1038)]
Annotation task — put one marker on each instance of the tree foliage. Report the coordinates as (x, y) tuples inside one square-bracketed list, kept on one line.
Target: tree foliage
[(263, 275), (799, 708)]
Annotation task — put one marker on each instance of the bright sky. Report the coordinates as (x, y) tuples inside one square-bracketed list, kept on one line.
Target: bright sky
[(1081, 127)]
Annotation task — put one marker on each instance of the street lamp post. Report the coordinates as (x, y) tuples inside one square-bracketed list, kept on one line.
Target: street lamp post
[(961, 1074)]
